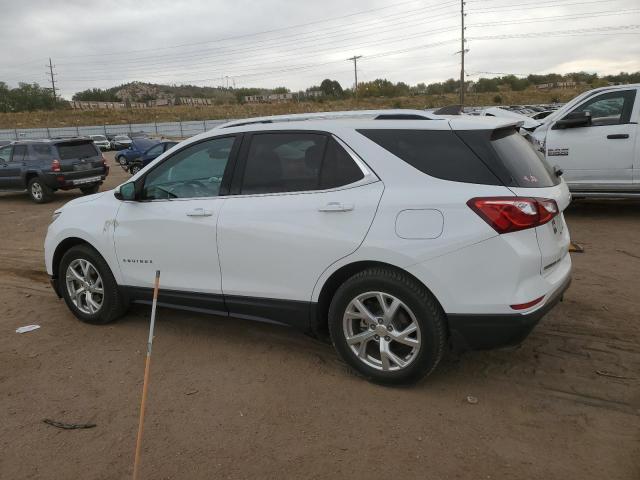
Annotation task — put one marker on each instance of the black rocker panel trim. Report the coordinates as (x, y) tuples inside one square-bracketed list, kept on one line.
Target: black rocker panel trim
[(286, 312)]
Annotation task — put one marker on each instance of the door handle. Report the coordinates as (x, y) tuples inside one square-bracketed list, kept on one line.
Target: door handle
[(199, 212), (618, 136), (336, 207)]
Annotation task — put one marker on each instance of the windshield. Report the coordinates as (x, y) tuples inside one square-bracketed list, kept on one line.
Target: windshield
[(98, 138), (122, 137)]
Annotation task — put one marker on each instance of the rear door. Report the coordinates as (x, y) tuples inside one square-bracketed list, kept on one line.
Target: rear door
[(301, 202), (5, 159), (599, 156)]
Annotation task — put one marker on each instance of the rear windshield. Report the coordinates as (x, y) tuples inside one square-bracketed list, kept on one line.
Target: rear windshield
[(439, 153), (527, 168), (69, 151)]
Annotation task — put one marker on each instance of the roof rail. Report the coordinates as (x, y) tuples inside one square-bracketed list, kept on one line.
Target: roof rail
[(397, 114)]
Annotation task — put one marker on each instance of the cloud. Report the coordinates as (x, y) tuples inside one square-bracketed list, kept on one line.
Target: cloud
[(105, 43)]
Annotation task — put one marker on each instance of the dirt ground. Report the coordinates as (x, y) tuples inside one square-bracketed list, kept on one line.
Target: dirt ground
[(235, 399)]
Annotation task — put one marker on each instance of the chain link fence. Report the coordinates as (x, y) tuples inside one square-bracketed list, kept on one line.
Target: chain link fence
[(167, 129)]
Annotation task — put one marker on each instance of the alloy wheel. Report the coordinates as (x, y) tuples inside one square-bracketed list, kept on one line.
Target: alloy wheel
[(36, 191), (381, 331), (85, 286)]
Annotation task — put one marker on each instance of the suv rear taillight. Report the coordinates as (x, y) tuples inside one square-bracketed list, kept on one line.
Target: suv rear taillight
[(55, 165), (511, 214)]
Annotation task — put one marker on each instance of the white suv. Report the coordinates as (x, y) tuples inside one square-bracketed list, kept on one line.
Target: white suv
[(399, 234)]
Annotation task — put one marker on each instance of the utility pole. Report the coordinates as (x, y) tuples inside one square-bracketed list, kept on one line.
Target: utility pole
[(53, 82), (462, 54), (354, 59)]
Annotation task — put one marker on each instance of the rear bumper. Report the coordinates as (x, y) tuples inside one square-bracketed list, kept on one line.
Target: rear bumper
[(485, 331), (65, 180)]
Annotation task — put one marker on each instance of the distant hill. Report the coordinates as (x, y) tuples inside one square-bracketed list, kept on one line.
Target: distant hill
[(143, 92)]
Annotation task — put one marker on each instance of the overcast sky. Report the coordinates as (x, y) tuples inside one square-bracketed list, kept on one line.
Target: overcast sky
[(268, 43)]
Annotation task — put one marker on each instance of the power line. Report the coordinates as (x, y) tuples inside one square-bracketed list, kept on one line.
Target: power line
[(264, 32), (575, 16), (298, 39)]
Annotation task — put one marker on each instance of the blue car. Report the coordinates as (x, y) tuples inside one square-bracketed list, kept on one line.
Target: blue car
[(135, 150), (151, 154)]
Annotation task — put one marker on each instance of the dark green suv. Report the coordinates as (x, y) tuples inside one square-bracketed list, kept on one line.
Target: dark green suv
[(43, 166)]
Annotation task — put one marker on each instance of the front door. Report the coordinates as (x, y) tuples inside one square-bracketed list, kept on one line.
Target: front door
[(599, 156), (172, 228), (301, 202)]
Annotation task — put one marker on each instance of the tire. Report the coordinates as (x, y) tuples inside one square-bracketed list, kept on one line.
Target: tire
[(91, 189), (122, 160), (135, 169), (38, 191), (411, 353), (111, 304)]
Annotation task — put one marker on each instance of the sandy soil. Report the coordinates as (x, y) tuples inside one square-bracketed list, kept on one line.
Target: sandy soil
[(235, 399)]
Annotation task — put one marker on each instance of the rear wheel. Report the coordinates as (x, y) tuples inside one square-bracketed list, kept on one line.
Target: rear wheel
[(387, 326), (38, 191), (88, 286), (90, 190), (135, 169)]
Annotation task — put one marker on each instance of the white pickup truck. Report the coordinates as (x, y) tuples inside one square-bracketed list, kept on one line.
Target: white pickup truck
[(593, 139)]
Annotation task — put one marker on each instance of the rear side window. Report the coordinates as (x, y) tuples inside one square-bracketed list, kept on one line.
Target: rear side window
[(296, 162), (283, 162), (39, 152), (69, 151), (19, 153), (439, 153), (338, 168)]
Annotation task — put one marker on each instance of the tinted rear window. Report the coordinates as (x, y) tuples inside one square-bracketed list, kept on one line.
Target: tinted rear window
[(69, 151), (527, 168), (439, 153)]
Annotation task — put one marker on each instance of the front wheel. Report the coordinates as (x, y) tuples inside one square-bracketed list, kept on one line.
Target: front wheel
[(387, 326), (88, 286)]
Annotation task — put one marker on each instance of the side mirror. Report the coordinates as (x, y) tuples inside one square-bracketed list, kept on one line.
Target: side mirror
[(126, 192), (574, 120)]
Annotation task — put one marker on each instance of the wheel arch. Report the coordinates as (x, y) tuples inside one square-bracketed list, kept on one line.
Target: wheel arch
[(28, 176), (62, 248), (319, 321)]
